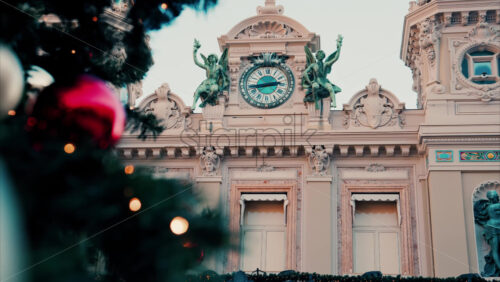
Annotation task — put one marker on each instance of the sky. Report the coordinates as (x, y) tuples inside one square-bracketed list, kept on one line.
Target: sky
[(372, 33)]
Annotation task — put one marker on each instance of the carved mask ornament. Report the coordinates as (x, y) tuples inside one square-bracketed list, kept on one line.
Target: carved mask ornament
[(210, 161)]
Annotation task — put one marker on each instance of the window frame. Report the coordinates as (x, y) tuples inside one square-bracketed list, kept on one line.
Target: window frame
[(377, 230), (346, 254), (492, 59), (262, 229), (234, 258)]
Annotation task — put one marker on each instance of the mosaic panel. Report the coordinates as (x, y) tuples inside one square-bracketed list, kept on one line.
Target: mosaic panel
[(480, 156), (444, 156)]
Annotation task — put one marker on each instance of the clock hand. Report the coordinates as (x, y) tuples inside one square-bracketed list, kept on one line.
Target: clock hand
[(265, 84)]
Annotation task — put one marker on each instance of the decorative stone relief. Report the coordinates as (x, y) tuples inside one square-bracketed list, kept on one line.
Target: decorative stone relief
[(423, 56), (234, 65), (166, 106), (319, 160), (487, 227), (375, 168), (373, 107), (210, 161), (265, 167), (415, 64), (267, 29), (483, 35), (429, 41)]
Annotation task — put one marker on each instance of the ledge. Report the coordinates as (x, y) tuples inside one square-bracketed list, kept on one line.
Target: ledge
[(209, 179), (358, 174), (263, 175), (319, 178)]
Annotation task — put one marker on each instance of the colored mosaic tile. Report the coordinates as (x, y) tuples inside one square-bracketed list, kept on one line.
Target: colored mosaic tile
[(444, 156), (480, 156)]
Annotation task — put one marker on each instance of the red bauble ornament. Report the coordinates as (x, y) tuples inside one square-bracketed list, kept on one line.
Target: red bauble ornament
[(87, 109)]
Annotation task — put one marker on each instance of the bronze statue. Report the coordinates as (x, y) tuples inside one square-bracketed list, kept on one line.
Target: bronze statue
[(314, 80), (217, 79), (487, 214)]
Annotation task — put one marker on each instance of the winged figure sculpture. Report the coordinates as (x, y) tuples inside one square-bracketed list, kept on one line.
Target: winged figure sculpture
[(217, 79), (314, 79)]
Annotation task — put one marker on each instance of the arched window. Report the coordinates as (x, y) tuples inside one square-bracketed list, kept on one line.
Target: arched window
[(481, 65)]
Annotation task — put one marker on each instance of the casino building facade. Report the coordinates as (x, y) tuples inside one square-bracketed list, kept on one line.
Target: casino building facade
[(372, 186)]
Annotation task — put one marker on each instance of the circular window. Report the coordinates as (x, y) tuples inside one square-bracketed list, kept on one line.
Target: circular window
[(481, 65)]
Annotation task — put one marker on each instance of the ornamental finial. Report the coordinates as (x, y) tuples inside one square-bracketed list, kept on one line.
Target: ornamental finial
[(270, 8), (270, 3)]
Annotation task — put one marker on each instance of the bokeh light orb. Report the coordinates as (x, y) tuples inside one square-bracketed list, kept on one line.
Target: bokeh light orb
[(129, 169), (134, 204), (179, 225), (69, 148)]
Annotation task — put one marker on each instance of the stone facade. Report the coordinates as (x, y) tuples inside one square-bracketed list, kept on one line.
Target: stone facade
[(431, 159)]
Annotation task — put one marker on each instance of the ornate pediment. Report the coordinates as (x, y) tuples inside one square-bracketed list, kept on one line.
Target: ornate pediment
[(484, 32), (166, 106), (270, 23), (373, 107), (267, 29)]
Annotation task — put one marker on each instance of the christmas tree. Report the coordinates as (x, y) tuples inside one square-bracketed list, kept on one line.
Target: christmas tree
[(83, 214)]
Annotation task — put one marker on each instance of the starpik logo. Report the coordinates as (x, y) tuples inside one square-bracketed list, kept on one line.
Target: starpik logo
[(291, 132)]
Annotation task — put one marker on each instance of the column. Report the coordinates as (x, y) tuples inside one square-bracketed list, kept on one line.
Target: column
[(449, 240), (317, 243)]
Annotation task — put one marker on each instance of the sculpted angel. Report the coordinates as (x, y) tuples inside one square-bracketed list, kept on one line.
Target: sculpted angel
[(314, 80), (217, 79), (487, 214)]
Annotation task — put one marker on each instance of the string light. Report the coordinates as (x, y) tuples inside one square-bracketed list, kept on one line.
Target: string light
[(134, 204), (94, 19), (11, 113), (69, 148), (179, 225), (164, 6), (129, 169), (73, 51)]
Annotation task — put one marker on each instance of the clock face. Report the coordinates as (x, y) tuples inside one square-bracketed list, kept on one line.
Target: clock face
[(267, 86)]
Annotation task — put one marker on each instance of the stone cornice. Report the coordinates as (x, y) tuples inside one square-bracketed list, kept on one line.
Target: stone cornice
[(267, 138), (459, 140), (185, 152)]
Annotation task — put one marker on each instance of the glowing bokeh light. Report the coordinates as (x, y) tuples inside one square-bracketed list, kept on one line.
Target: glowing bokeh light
[(179, 225), (69, 148), (134, 204), (129, 169)]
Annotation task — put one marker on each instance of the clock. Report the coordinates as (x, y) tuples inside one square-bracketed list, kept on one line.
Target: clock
[(267, 86)]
